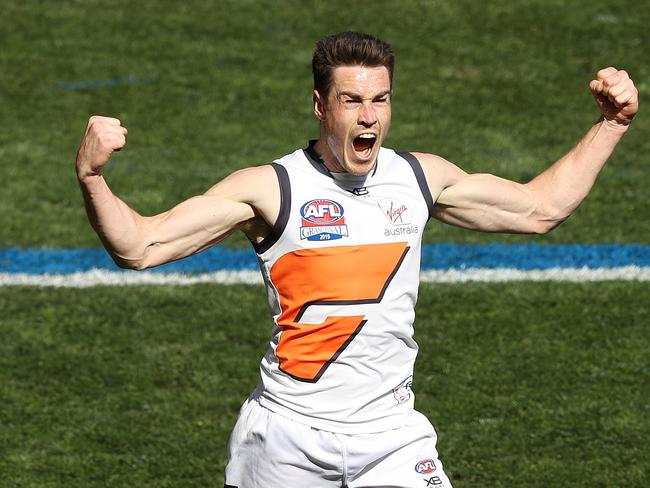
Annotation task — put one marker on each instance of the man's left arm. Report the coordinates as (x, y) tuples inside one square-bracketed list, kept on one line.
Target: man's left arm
[(492, 204)]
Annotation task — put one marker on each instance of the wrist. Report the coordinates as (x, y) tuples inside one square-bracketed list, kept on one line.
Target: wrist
[(614, 125), (86, 176)]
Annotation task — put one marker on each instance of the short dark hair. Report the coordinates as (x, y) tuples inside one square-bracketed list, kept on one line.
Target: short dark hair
[(348, 49)]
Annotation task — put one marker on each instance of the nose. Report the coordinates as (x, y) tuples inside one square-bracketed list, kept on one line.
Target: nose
[(367, 115)]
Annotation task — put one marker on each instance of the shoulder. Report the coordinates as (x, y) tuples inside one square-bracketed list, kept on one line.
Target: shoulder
[(246, 184), (434, 162), (439, 172), (257, 187), (428, 162)]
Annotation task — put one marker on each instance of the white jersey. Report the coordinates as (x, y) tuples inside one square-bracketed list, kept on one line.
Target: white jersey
[(341, 267)]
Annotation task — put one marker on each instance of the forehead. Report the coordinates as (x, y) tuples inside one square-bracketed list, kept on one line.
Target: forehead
[(364, 80)]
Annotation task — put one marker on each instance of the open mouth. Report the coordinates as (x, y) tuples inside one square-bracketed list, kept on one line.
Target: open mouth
[(364, 143)]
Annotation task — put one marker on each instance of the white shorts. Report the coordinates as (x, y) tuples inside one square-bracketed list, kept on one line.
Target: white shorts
[(267, 450)]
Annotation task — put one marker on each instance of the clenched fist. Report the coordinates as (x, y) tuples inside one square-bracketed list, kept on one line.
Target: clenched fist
[(103, 136), (616, 96)]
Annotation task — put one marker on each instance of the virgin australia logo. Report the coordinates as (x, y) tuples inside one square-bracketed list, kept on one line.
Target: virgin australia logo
[(399, 215), (396, 212)]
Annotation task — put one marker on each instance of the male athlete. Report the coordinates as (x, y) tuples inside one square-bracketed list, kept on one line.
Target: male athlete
[(337, 228)]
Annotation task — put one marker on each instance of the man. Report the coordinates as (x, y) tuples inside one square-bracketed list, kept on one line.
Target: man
[(337, 228)]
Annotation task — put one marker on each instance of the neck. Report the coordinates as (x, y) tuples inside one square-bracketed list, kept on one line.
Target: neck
[(327, 157), (331, 162), (342, 178), (349, 181)]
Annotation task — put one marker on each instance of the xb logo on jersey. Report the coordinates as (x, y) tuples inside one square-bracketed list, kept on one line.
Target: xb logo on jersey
[(322, 220)]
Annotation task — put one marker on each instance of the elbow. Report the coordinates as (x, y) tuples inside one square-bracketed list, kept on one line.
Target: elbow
[(135, 264), (541, 227), (545, 216), (135, 255), (139, 266), (129, 252), (149, 257), (132, 264), (545, 224)]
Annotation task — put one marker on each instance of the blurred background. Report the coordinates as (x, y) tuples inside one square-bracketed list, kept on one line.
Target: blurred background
[(528, 384), (208, 87)]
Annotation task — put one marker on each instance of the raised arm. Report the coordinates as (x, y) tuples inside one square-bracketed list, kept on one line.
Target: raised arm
[(488, 203), (248, 200)]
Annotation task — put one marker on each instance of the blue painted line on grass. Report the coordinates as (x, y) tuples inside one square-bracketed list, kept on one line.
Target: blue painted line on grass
[(434, 257), (534, 256), (66, 261)]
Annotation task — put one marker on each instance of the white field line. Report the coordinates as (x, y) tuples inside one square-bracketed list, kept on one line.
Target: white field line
[(99, 277), (575, 275), (250, 277)]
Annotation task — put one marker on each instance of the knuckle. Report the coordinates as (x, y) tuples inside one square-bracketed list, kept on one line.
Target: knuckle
[(606, 71), (616, 89), (100, 119), (611, 78)]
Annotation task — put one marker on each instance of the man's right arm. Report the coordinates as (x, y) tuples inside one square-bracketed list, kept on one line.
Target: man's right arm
[(247, 200)]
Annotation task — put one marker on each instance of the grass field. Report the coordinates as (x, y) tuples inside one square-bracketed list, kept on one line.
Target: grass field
[(99, 390), (205, 88), (528, 385)]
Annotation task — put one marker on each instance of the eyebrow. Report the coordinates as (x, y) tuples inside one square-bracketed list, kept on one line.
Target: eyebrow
[(357, 96)]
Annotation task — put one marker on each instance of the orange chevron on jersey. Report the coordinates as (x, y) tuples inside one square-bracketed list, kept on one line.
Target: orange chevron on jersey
[(341, 275)]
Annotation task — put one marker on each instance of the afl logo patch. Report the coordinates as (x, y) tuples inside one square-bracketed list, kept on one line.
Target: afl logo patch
[(322, 220), (425, 466)]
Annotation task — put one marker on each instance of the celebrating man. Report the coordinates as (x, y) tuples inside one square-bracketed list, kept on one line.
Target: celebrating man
[(337, 228)]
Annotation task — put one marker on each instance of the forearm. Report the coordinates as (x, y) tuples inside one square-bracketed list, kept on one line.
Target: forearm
[(140, 242), (491, 204), (561, 188), (120, 228)]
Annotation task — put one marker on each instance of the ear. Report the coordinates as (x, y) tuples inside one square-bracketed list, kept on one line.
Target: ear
[(319, 106)]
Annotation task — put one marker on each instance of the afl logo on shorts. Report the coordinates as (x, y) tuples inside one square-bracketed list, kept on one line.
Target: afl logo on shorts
[(425, 466), (322, 220)]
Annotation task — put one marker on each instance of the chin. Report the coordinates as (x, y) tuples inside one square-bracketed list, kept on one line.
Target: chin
[(360, 169), (361, 166)]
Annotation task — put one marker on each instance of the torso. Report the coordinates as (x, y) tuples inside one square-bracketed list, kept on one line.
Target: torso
[(342, 270)]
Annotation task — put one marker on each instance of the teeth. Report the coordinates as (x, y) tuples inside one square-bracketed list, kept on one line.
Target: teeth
[(367, 136)]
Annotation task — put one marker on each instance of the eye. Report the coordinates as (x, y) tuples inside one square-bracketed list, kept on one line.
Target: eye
[(351, 102)]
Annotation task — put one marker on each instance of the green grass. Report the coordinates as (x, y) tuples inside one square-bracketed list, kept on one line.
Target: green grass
[(531, 385), (494, 86), (538, 384), (100, 389)]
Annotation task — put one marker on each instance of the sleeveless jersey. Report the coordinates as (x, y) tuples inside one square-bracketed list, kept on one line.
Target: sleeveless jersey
[(341, 267)]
